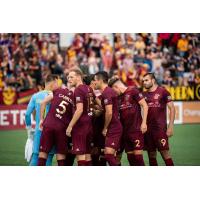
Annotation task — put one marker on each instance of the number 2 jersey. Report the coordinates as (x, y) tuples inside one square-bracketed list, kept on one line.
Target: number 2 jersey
[(61, 109)]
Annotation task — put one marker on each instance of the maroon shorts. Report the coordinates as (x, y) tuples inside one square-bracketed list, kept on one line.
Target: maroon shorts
[(81, 140), (53, 136), (156, 141), (133, 141), (113, 140)]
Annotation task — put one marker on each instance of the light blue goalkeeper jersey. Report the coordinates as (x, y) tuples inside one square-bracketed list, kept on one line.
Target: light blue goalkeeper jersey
[(34, 104)]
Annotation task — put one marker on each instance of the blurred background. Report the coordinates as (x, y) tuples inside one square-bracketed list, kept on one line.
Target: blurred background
[(26, 59)]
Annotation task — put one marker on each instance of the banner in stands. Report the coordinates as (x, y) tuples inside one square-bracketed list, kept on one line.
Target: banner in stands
[(182, 93), (9, 96), (12, 117)]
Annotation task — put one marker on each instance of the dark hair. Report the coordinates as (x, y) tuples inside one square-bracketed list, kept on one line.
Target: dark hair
[(152, 75), (88, 79), (77, 71), (112, 81), (102, 76), (50, 78)]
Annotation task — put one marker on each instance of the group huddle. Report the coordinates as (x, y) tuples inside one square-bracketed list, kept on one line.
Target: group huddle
[(95, 119)]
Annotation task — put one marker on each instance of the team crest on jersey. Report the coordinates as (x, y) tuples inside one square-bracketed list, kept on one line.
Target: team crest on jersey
[(156, 96), (105, 101), (140, 95), (78, 98)]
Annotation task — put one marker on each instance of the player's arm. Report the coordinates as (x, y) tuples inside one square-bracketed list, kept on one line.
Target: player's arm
[(43, 106), (144, 107), (108, 117), (75, 118), (29, 110), (172, 112)]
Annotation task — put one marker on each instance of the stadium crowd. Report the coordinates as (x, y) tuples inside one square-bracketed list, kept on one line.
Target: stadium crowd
[(26, 59)]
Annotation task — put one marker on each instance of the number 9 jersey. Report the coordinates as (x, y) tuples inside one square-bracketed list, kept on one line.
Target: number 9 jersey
[(61, 108)]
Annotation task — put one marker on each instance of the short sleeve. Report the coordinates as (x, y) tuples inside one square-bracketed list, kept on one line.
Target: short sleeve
[(78, 95), (107, 98), (137, 95), (166, 96)]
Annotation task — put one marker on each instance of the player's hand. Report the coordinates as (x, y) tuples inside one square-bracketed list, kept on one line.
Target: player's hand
[(68, 131), (169, 131), (104, 132), (41, 125), (143, 127)]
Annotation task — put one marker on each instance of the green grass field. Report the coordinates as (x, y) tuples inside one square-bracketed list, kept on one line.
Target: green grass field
[(185, 147)]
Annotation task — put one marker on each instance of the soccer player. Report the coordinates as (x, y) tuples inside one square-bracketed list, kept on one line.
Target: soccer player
[(34, 105), (55, 124), (80, 127), (98, 158), (134, 125), (112, 129), (156, 138)]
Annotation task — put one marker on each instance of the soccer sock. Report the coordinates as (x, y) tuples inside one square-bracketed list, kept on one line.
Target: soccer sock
[(138, 160), (88, 163), (69, 161), (61, 162), (34, 160), (49, 160), (130, 159), (111, 159), (153, 162), (102, 161), (169, 162), (82, 163), (42, 161)]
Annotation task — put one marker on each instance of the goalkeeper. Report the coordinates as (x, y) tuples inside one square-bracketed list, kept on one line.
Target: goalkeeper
[(51, 83)]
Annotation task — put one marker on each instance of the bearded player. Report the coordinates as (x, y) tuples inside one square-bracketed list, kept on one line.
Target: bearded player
[(112, 129), (134, 125), (55, 124), (156, 138), (34, 104), (80, 127)]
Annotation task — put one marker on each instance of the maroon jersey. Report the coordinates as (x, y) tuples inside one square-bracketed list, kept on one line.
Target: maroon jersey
[(130, 111), (157, 113), (60, 111), (84, 94), (109, 97)]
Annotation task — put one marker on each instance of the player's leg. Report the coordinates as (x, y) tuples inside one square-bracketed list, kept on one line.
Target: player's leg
[(60, 139), (163, 147), (150, 146), (49, 159), (46, 144), (69, 160), (134, 144), (112, 144), (36, 146), (167, 157), (89, 144)]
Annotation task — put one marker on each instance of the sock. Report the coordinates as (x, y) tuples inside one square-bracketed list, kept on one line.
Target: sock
[(169, 162), (153, 162), (42, 161), (88, 163), (111, 159), (34, 160), (130, 159), (138, 160), (102, 161), (82, 163), (69, 161), (49, 160), (61, 162), (95, 160)]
